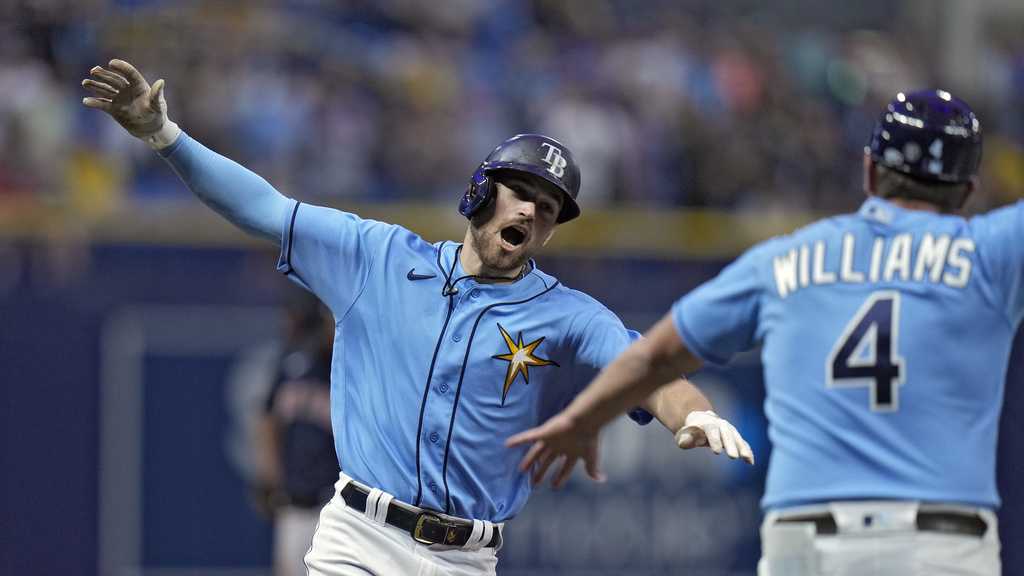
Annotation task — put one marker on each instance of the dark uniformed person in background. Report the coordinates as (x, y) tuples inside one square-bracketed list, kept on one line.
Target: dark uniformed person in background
[(300, 466)]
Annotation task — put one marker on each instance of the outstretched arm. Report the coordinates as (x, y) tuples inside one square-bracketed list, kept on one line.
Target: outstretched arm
[(241, 196), (686, 412), (649, 363), (636, 377), (672, 403)]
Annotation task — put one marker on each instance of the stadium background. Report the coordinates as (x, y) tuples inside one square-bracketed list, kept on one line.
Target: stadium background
[(133, 319)]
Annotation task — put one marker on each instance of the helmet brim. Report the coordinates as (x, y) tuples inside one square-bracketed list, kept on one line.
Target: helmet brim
[(570, 208)]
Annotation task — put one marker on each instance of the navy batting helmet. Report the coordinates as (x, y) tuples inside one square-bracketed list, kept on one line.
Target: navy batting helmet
[(928, 135), (534, 154)]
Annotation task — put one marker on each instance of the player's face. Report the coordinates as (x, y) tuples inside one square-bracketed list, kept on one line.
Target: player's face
[(519, 221)]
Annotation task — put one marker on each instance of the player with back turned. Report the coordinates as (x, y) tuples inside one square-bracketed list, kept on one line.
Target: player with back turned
[(441, 350), (885, 337)]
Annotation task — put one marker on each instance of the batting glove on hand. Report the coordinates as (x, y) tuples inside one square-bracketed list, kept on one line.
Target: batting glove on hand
[(705, 428), (122, 92)]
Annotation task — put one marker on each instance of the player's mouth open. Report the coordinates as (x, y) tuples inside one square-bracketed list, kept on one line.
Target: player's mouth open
[(513, 236)]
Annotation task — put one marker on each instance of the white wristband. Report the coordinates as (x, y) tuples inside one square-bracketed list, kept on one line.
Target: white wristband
[(163, 137), (702, 414)]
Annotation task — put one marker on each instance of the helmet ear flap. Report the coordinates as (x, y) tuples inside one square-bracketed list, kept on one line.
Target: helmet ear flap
[(478, 193)]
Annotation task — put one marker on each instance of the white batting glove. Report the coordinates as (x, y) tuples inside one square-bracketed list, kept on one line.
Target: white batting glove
[(705, 428), (122, 92)]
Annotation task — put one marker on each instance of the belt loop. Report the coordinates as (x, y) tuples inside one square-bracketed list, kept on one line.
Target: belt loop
[(475, 539), (371, 503), (343, 480), (382, 507), (488, 532)]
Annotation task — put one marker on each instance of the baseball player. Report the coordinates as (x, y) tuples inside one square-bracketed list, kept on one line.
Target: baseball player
[(441, 350), (885, 340)]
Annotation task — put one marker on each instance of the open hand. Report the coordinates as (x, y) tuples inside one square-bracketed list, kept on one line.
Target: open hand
[(122, 92), (562, 439)]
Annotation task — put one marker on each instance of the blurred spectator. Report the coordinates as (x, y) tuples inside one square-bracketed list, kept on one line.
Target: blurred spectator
[(669, 103)]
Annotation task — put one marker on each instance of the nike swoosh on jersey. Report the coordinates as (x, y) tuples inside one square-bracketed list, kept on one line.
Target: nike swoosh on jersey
[(412, 275)]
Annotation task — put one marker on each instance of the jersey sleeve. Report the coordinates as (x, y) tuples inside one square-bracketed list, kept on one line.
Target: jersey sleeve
[(235, 192), (603, 339), (331, 253), (1000, 238), (719, 318)]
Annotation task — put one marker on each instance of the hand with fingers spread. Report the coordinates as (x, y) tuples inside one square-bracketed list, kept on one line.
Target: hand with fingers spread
[(561, 439), (121, 91), (705, 428)]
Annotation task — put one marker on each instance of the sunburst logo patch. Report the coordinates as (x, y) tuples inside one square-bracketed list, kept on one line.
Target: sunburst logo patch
[(520, 357)]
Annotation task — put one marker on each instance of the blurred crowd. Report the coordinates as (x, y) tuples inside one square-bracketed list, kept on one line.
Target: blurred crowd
[(666, 103)]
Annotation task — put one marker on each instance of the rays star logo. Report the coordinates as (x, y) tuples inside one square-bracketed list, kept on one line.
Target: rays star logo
[(520, 357)]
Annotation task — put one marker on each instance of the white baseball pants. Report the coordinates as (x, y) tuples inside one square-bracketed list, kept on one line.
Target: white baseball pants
[(348, 543), (875, 538)]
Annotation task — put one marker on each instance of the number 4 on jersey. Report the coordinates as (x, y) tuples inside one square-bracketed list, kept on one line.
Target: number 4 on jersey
[(865, 354)]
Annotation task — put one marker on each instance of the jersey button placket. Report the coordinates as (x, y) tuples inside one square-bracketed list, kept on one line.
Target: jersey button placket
[(437, 417)]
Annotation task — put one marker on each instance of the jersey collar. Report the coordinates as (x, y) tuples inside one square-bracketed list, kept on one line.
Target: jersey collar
[(533, 278), (879, 210), (884, 212)]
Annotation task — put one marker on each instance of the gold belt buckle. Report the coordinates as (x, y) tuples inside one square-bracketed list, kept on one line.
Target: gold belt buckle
[(417, 532)]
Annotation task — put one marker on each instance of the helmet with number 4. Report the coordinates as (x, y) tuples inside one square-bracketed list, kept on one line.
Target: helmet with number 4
[(929, 135)]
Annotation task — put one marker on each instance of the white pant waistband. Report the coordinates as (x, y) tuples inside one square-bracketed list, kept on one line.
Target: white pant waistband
[(877, 515), (378, 502)]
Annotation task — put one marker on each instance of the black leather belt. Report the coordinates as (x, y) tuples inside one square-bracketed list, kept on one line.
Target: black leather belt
[(425, 526), (946, 522)]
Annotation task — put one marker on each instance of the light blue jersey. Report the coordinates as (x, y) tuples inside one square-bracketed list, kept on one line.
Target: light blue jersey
[(432, 370), (886, 336)]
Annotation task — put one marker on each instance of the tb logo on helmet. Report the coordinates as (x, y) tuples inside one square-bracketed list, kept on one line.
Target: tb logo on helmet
[(556, 162), (535, 154)]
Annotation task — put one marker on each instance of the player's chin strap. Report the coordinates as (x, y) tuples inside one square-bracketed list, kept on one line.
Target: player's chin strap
[(450, 289)]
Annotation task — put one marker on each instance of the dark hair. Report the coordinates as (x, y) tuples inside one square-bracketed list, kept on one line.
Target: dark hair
[(948, 197)]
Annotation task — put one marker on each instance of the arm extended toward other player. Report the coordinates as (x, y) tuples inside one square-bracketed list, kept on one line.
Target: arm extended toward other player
[(240, 195), (672, 403), (686, 412), (638, 377)]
